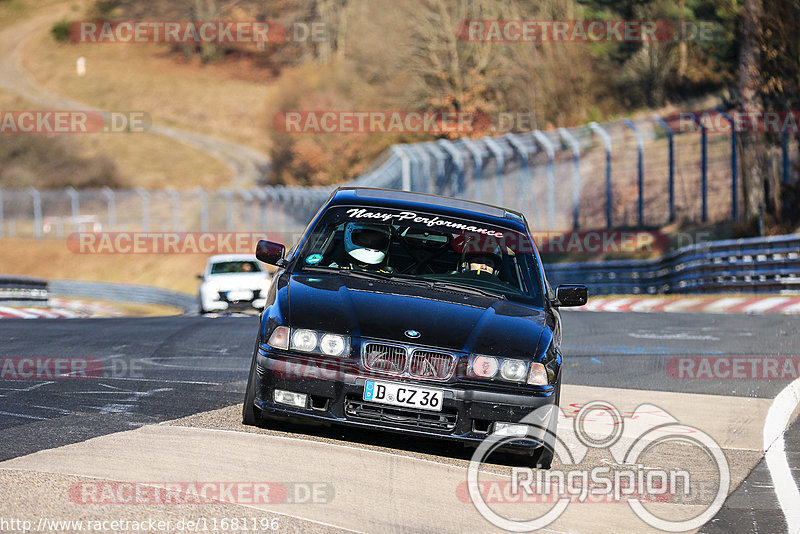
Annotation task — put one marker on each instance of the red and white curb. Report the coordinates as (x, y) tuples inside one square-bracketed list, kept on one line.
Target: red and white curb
[(61, 309), (708, 304), (7, 312)]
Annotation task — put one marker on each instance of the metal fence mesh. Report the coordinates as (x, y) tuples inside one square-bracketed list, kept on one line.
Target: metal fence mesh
[(559, 179)]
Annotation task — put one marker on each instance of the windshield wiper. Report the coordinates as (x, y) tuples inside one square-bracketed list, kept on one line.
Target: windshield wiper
[(468, 289), (430, 284), (350, 272)]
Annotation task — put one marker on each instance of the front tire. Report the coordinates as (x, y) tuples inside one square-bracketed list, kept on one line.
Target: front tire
[(542, 458), (251, 414)]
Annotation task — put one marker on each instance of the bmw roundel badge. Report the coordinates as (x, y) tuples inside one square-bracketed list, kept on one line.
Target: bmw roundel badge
[(413, 334)]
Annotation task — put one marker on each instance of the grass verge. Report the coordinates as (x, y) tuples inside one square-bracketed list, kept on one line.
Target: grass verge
[(148, 77), (51, 259)]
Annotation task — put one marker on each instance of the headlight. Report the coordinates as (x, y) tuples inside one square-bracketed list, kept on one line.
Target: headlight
[(506, 369), (304, 340), (513, 370), (538, 375), (484, 366), (332, 344), (211, 287)]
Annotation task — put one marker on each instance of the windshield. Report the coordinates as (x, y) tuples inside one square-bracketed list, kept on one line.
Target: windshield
[(228, 267), (446, 252)]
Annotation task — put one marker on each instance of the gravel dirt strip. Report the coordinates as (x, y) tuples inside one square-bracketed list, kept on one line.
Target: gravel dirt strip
[(387, 479)]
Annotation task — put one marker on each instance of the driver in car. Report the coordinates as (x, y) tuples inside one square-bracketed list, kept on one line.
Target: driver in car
[(482, 263), (367, 247)]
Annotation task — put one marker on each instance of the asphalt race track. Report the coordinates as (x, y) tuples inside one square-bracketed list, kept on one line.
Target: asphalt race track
[(166, 409)]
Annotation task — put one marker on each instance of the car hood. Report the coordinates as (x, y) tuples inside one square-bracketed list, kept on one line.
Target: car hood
[(386, 310), (237, 280)]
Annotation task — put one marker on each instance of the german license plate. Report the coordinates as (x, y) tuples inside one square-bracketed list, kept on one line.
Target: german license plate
[(240, 295), (403, 395)]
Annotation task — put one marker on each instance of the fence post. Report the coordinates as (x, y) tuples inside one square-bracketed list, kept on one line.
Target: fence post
[(145, 196), (272, 196), (426, 162), (436, 152), (734, 169), (596, 128), (477, 160), (458, 164), (262, 200), (671, 161), (785, 155), (551, 180), (499, 157), (176, 209), (112, 207), (248, 208), (640, 168), (37, 212), (226, 194), (703, 168), (203, 208), (415, 166), (524, 154), (405, 166), (576, 174), (280, 200), (74, 207)]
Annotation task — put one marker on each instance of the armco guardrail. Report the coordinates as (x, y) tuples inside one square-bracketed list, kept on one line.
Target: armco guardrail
[(23, 291), (123, 293), (770, 264)]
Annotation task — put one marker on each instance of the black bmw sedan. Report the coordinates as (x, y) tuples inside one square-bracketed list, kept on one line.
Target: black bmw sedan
[(412, 313)]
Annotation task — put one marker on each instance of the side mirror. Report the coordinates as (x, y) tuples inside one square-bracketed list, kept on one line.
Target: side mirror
[(571, 295), (201, 277), (271, 253)]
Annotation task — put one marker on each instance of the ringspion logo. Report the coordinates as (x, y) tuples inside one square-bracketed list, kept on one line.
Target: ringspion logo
[(630, 478)]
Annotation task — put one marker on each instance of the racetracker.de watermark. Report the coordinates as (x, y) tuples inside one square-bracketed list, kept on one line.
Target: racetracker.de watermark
[(585, 31), (380, 122), (733, 367), (68, 368), (648, 448), (739, 121), (73, 122), (601, 242), (196, 492), (167, 242), (196, 32)]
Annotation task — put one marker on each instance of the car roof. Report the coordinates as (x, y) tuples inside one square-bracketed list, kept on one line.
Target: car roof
[(231, 257), (411, 199)]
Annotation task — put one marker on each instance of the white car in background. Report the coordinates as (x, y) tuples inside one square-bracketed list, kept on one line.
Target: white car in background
[(233, 282)]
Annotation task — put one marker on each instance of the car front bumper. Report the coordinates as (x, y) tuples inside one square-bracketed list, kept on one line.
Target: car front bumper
[(218, 301), (335, 395)]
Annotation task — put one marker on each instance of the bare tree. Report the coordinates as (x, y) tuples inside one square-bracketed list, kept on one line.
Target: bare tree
[(749, 87)]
